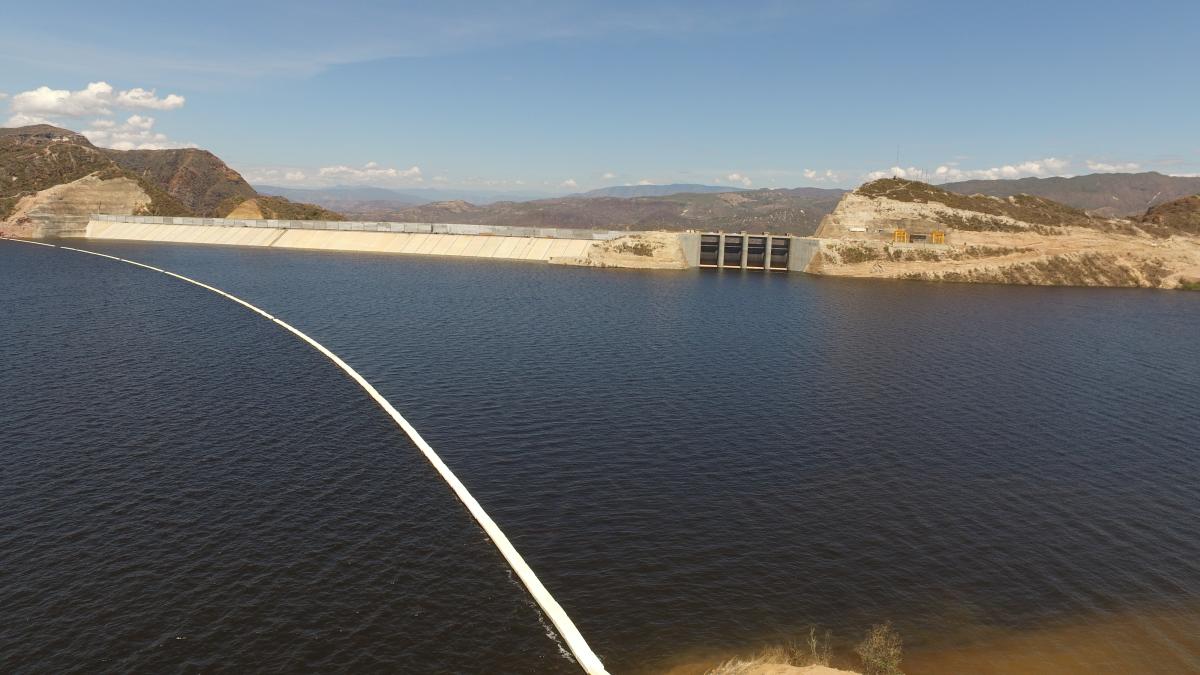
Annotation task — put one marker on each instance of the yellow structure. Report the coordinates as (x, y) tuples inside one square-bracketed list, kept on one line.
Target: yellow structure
[(938, 236), (900, 237)]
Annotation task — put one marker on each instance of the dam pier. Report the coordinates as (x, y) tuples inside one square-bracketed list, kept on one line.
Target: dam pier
[(557, 245)]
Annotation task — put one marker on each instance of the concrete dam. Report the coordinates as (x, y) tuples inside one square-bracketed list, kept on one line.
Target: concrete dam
[(566, 246)]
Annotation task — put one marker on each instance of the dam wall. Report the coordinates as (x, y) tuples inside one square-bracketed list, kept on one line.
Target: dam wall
[(596, 248), (540, 249), (375, 226)]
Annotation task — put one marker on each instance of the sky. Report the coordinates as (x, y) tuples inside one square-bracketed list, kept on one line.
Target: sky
[(560, 97)]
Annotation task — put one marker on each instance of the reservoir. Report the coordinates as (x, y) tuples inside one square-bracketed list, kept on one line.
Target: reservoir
[(696, 463)]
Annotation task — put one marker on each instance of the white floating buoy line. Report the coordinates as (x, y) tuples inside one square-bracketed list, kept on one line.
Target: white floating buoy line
[(579, 648)]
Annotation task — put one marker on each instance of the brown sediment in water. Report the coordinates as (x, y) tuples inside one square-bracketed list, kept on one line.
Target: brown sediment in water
[(759, 669), (1166, 641)]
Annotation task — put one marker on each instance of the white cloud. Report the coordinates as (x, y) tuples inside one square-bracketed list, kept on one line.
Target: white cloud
[(95, 99), (3, 96), (135, 133), (645, 181), (370, 171), (1040, 168), (1104, 167), (822, 176), (608, 175), (274, 175), (147, 99), (569, 183), (98, 98), (440, 179), (24, 120), (738, 178)]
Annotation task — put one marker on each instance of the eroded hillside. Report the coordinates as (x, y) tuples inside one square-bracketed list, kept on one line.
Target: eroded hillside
[(1020, 239), (51, 179)]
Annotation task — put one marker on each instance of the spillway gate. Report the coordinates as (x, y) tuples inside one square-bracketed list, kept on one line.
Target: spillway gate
[(765, 252)]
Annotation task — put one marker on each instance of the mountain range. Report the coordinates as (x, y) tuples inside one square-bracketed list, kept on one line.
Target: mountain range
[(1103, 194)]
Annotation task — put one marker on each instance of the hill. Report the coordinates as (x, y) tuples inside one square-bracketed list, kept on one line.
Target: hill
[(280, 208), (197, 178), (52, 174), (628, 191), (52, 178), (1181, 216), (797, 211), (903, 229), (1103, 194)]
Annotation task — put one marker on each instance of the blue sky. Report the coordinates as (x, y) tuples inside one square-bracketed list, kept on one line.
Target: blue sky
[(551, 97)]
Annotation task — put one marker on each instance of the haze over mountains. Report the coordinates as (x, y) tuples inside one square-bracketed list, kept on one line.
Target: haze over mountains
[(1107, 194)]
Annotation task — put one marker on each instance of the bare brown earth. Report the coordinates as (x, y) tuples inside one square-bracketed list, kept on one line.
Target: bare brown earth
[(1026, 241), (247, 210), (66, 206), (645, 250)]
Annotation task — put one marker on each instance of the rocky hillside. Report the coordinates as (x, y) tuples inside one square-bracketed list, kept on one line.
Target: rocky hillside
[(1179, 217), (1102, 194), (197, 178), (52, 178), (796, 211), (1015, 240)]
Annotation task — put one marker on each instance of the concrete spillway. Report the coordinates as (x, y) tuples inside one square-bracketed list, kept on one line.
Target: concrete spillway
[(583, 654)]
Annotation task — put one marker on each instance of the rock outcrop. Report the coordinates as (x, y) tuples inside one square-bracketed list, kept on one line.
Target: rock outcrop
[(1014, 240), (62, 210), (646, 250)]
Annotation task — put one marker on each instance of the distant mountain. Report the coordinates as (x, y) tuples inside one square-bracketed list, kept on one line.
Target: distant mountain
[(1104, 194), (796, 211), (629, 191), (347, 196)]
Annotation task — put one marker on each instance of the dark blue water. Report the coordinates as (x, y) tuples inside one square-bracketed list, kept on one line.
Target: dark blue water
[(694, 463)]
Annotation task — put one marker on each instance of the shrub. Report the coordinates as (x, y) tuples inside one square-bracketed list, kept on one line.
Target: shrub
[(880, 651), (644, 248), (858, 253)]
